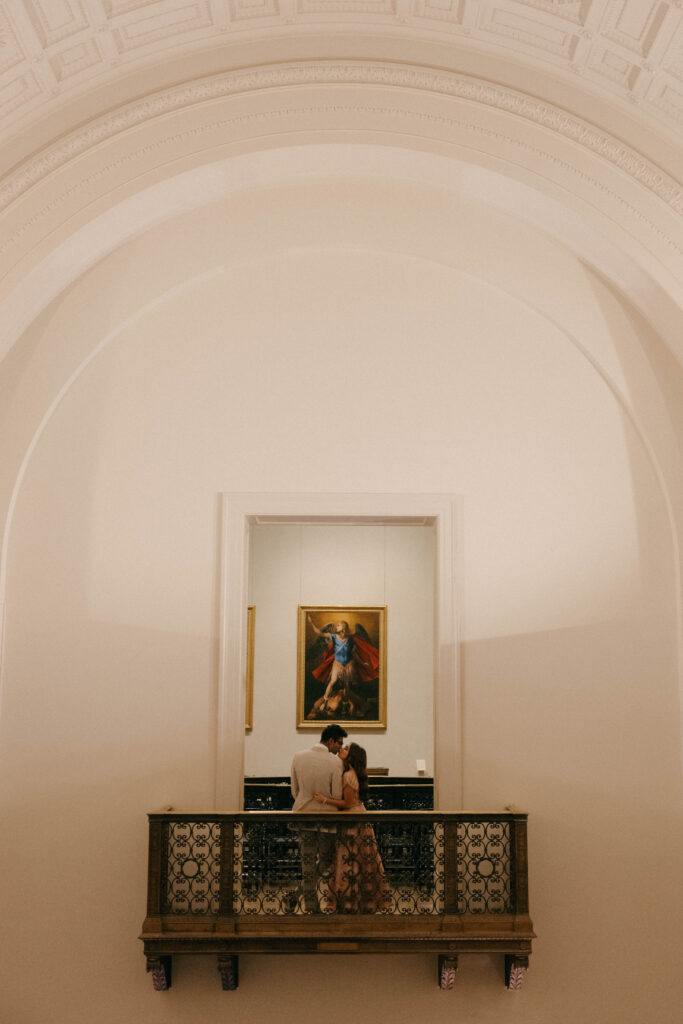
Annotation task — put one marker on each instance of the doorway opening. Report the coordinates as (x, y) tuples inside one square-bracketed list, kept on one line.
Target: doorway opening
[(284, 552)]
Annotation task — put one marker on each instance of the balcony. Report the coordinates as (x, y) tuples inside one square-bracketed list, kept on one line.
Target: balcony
[(380, 882)]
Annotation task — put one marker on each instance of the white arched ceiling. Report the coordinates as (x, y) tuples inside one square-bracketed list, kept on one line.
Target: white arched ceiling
[(580, 101), (625, 54), (420, 204), (101, 171), (599, 241), (592, 174)]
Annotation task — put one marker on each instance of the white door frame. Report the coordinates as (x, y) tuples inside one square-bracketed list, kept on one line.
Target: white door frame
[(239, 512)]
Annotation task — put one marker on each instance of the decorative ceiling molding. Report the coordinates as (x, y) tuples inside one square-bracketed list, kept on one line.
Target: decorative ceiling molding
[(628, 50), (282, 76)]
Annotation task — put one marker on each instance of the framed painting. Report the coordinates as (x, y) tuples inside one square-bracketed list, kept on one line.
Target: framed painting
[(249, 679), (342, 666)]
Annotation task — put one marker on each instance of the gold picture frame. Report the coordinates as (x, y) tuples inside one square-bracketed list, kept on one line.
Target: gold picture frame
[(249, 678), (350, 690)]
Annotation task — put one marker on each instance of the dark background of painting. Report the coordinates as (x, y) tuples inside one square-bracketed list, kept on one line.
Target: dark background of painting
[(313, 688)]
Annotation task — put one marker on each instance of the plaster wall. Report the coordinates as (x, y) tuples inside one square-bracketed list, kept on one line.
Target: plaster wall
[(314, 564), (428, 379)]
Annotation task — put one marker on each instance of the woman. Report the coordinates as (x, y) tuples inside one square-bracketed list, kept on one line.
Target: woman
[(357, 883)]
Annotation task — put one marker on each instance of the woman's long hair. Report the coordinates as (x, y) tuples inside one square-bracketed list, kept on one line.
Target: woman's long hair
[(358, 760)]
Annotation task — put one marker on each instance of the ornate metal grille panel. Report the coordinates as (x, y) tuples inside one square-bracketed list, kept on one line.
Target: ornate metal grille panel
[(367, 864), (483, 864), (193, 867), (350, 868)]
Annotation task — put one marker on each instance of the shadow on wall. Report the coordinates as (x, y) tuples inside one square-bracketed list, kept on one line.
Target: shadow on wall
[(654, 381), (575, 726)]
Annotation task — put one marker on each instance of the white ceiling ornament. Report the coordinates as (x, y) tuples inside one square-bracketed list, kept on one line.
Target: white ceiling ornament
[(54, 50), (425, 80), (209, 123)]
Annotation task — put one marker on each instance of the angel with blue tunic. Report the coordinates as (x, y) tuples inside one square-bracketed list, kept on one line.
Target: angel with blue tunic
[(347, 659)]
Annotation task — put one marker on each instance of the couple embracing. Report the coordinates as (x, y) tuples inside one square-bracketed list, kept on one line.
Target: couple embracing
[(332, 777)]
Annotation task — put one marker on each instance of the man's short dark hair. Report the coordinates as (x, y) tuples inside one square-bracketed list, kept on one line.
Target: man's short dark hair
[(333, 732)]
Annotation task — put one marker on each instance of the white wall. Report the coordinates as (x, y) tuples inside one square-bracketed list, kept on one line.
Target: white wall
[(315, 564), (432, 380)]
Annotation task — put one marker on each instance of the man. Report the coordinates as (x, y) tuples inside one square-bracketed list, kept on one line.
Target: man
[(317, 770)]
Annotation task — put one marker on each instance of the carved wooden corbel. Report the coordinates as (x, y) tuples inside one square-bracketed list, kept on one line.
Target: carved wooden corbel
[(160, 969), (228, 968), (515, 970), (448, 966)]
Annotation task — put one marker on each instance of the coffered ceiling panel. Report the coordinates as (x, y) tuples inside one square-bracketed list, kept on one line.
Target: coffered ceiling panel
[(630, 51)]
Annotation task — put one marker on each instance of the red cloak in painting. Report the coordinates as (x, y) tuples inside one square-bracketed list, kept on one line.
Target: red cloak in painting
[(365, 659)]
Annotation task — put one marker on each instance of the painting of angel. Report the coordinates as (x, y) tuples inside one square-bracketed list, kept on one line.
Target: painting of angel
[(341, 666)]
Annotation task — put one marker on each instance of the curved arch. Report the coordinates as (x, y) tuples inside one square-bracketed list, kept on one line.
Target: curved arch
[(70, 181), (416, 78), (583, 51), (190, 282), (265, 164), (212, 182), (153, 159)]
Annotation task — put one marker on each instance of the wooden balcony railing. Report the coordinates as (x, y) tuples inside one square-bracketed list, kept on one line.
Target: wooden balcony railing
[(383, 882)]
